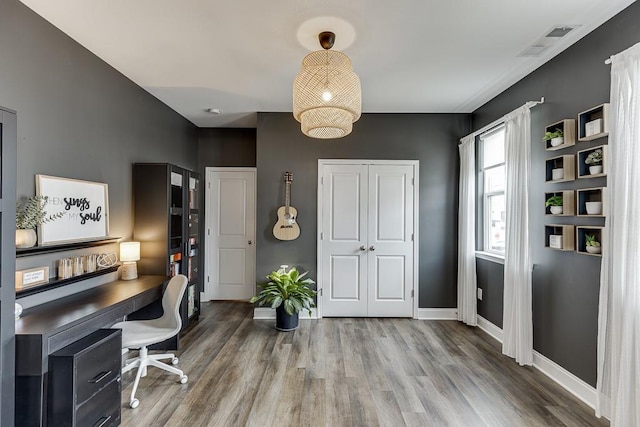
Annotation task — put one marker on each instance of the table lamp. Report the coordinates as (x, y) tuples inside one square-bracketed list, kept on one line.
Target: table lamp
[(129, 254)]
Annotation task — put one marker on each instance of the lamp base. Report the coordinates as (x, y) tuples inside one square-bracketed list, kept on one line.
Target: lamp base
[(129, 270)]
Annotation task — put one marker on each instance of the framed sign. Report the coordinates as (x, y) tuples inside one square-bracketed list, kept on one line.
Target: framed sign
[(31, 277), (85, 206)]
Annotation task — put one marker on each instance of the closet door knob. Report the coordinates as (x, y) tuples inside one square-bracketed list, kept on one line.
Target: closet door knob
[(372, 248), (363, 248), (250, 242)]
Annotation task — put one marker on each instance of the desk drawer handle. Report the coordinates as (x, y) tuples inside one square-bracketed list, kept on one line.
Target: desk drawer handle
[(104, 421), (100, 377)]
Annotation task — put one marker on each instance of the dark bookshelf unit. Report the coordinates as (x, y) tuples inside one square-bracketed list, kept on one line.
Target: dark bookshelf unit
[(166, 223)]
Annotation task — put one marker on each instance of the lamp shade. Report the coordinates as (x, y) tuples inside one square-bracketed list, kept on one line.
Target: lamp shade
[(327, 97), (129, 251)]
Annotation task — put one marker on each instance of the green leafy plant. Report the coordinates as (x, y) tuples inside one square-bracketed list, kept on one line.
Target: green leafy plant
[(555, 134), (554, 201), (288, 288), (594, 157), (30, 212), (591, 240)]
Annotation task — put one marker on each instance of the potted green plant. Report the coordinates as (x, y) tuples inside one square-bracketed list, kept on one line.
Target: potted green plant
[(554, 203), (289, 293), (30, 213), (591, 244), (555, 138), (594, 160)]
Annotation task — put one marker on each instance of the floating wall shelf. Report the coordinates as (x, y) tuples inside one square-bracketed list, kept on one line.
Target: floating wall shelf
[(568, 128), (559, 237), (568, 202), (593, 123), (561, 168)]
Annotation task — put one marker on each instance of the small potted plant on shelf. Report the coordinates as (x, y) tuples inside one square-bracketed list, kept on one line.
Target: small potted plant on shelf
[(591, 244), (554, 203), (289, 294), (594, 160), (555, 138), (30, 213)]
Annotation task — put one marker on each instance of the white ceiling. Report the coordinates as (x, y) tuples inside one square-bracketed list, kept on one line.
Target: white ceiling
[(427, 56)]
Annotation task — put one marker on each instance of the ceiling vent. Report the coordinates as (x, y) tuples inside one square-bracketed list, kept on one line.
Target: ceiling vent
[(559, 31), (552, 37), (534, 50)]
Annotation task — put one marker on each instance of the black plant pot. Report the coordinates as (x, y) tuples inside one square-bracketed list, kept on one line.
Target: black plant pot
[(286, 322)]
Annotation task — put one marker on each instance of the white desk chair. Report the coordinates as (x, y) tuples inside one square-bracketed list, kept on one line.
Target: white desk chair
[(142, 333)]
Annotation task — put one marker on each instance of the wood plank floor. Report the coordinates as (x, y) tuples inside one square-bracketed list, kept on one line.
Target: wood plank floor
[(346, 372)]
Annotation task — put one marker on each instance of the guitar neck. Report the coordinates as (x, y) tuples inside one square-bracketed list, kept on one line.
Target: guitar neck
[(287, 196)]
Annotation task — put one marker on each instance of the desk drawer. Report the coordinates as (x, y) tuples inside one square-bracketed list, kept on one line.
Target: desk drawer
[(103, 409), (97, 367)]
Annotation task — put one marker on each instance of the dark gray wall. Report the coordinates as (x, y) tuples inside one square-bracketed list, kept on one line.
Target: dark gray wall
[(430, 138), (80, 118), (491, 279), (226, 147), (565, 284)]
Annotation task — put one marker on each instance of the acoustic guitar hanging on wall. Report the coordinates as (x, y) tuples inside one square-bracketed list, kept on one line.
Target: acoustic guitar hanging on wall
[(287, 228)]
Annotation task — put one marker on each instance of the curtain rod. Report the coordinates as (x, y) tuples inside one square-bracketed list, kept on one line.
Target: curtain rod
[(501, 119), (608, 60)]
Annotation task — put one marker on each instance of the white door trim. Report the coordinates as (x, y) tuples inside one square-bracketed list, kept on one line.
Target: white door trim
[(206, 295), (416, 210)]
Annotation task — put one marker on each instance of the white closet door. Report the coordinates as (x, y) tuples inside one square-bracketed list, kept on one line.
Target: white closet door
[(344, 225), (367, 248), (390, 250)]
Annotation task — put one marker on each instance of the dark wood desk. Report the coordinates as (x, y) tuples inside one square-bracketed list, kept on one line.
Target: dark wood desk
[(49, 327)]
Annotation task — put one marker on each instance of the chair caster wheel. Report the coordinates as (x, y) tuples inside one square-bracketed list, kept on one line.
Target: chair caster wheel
[(134, 403), (175, 361), (184, 379)]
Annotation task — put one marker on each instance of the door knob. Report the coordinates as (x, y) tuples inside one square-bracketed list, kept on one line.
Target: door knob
[(372, 248), (250, 242), (363, 248)]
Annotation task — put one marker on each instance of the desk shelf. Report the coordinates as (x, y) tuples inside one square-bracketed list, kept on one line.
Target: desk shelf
[(56, 283), (41, 250)]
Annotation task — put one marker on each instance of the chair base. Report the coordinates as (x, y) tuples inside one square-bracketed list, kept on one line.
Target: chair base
[(145, 360)]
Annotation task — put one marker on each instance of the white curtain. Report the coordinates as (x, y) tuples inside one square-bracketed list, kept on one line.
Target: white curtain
[(517, 315), (618, 382), (467, 302)]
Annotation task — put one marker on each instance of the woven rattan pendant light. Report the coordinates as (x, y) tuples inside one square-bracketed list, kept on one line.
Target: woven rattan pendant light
[(326, 93)]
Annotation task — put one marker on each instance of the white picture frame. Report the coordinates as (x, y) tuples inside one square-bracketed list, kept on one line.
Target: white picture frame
[(85, 205)]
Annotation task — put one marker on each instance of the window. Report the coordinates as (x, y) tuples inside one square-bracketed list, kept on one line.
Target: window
[(493, 184)]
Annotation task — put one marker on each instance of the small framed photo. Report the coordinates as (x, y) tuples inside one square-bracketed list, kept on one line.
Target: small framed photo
[(31, 277)]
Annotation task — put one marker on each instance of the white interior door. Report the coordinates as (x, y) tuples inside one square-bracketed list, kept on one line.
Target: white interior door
[(344, 240), (390, 240), (230, 241), (367, 251)]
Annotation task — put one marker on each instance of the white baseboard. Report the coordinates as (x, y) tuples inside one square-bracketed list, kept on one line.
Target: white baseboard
[(265, 313), (490, 328), (564, 378), (437, 314)]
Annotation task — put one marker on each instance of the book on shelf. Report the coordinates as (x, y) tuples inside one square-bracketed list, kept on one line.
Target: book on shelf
[(174, 269), (191, 301)]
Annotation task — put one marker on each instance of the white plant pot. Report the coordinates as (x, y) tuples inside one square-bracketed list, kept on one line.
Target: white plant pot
[(26, 238), (555, 210), (593, 208), (555, 241), (557, 174), (594, 170), (557, 141), (594, 249)]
